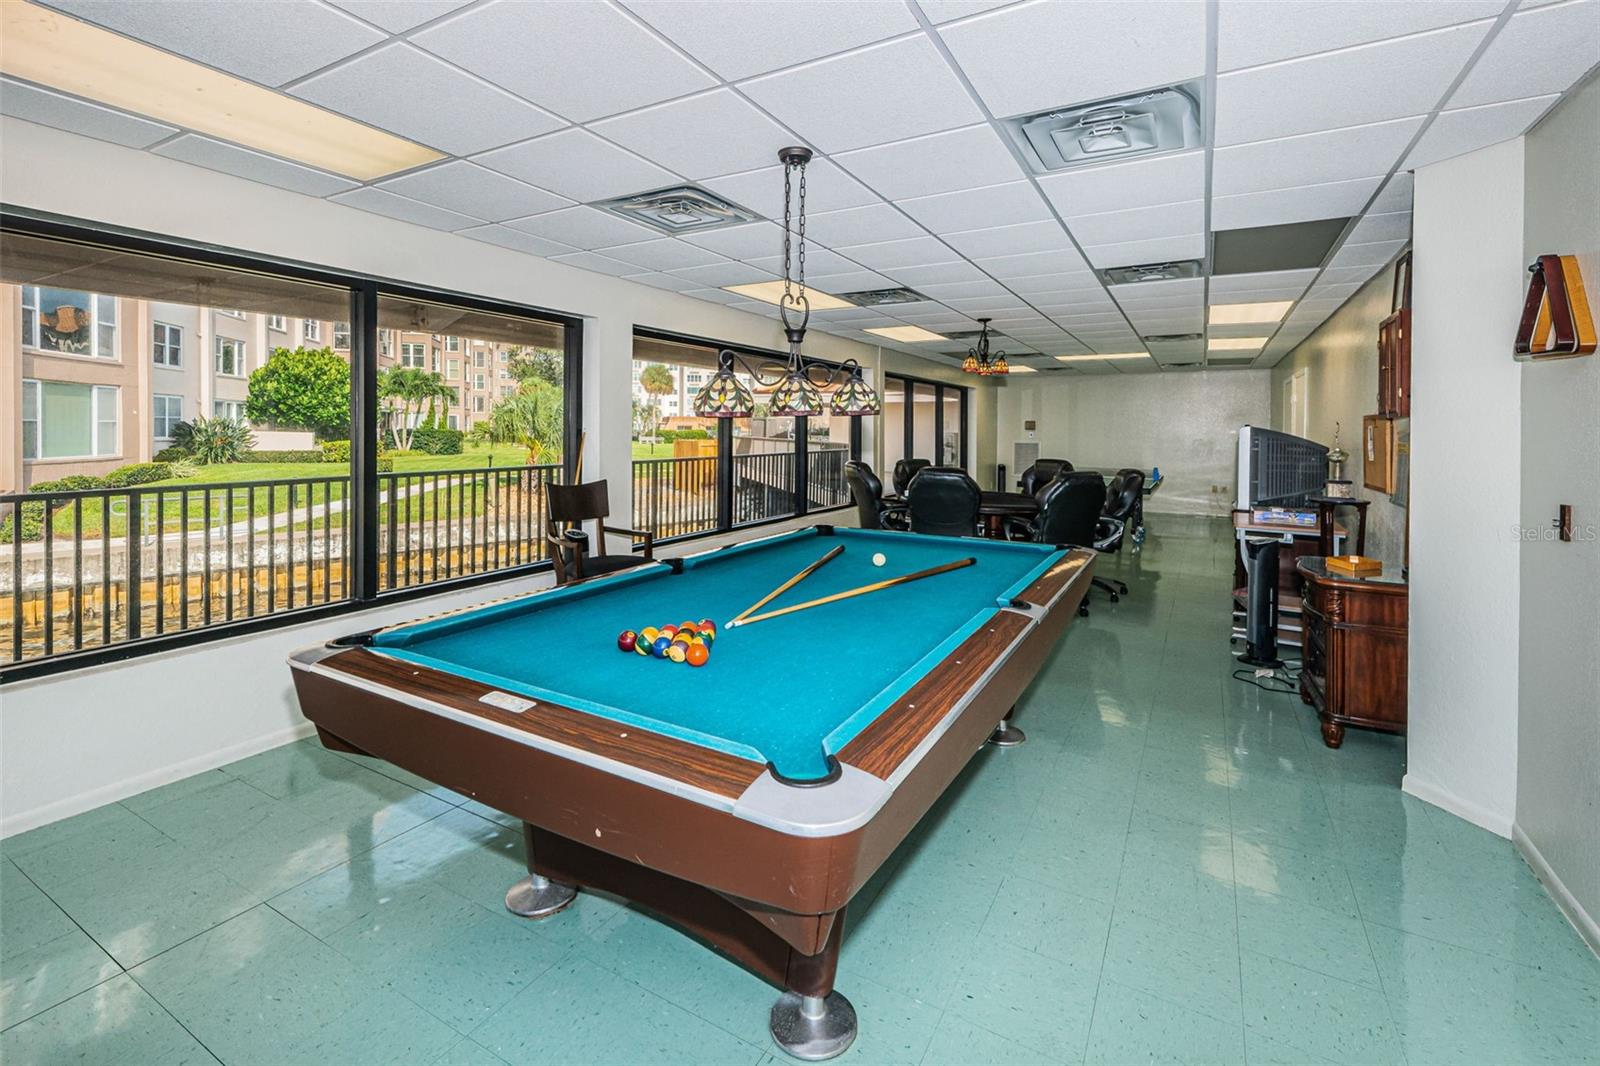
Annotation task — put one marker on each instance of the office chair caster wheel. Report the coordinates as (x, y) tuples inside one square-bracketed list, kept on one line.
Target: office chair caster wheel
[(1115, 598), (1083, 610)]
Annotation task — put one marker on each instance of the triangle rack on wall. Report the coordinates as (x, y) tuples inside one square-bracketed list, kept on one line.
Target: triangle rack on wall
[(1556, 320)]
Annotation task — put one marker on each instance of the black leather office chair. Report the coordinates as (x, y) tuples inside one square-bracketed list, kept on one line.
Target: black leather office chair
[(905, 470), (943, 500), (1041, 472), (1069, 512), (1135, 519), (1124, 501), (873, 512)]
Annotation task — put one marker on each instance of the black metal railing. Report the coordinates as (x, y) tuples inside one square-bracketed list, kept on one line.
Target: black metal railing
[(675, 497), (763, 486), (92, 568), (825, 483)]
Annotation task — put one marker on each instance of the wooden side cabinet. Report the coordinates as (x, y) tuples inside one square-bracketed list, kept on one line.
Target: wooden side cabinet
[(1353, 665)]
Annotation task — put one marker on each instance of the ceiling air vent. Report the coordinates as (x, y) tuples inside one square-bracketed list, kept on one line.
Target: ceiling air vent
[(1103, 131), (1129, 275), (1231, 360), (1171, 338), (880, 297), (680, 209)]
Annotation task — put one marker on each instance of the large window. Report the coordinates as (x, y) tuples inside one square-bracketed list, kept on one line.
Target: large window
[(695, 475), (230, 357), (66, 420), (68, 321), (168, 345), (167, 412), (923, 420)]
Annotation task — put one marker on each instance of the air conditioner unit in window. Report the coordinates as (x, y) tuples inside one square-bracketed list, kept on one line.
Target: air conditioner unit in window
[(1103, 131)]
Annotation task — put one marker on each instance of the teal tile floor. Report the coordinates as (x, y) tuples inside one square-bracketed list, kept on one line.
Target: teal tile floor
[(1172, 869)]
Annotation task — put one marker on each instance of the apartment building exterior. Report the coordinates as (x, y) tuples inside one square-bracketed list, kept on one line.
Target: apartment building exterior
[(90, 382)]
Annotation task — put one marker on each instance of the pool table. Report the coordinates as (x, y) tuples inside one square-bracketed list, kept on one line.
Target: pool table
[(746, 800)]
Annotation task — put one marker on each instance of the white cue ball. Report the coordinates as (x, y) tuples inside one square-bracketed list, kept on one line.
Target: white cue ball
[(878, 559)]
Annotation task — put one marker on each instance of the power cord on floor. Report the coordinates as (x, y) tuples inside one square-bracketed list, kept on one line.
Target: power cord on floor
[(1285, 679)]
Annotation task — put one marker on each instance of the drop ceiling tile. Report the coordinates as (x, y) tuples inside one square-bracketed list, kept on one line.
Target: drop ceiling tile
[(818, 261), (1171, 288), (752, 240), (1079, 279), (1271, 279), (1133, 253), (739, 40), (584, 227), (1069, 316), (1307, 203), (473, 190), (1313, 158), (715, 296), (919, 275), (438, 106), (1014, 56), (1251, 33), (33, 104), (398, 16), (994, 205), (1143, 223), (516, 240), (887, 255), (965, 290), (1045, 236), (407, 210), (988, 305), (664, 253), (1374, 254), (1395, 196), (1163, 179), (663, 281), (1323, 307), (725, 274), (1541, 51), (270, 43), (257, 166), (1458, 132), (1351, 273), (600, 264), (700, 136), (853, 281), (939, 162), (1337, 291), (581, 59), (870, 224), (578, 165), (949, 10), (1369, 83), (882, 93), (1393, 226), (827, 189), (1033, 264)]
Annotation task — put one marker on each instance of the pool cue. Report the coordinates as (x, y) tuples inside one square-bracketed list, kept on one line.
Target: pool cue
[(833, 553), (861, 591), (577, 467)]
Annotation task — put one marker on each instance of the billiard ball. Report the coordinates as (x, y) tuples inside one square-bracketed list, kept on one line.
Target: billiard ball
[(697, 655), (649, 634), (878, 559), (660, 646), (628, 640), (642, 647), (669, 631), (688, 627), (676, 652)]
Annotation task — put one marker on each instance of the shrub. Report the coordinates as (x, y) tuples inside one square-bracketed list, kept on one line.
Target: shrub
[(138, 474), (309, 388), (183, 468), (72, 483), (286, 455), (336, 451), (434, 440), (214, 440), (386, 463), (172, 454), (33, 511)]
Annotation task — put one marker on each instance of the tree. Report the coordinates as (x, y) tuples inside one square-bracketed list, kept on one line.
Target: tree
[(531, 417), (536, 364), (306, 388), (656, 380), (405, 393)]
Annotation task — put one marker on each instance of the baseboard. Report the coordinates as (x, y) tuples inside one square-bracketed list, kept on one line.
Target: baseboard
[(1584, 922), (13, 824), (1427, 792)]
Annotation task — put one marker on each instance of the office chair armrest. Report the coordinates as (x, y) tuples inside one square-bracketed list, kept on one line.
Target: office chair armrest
[(895, 516), (644, 535), (1017, 528), (1107, 532)]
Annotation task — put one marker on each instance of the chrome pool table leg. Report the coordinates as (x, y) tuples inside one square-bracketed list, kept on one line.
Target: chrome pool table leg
[(536, 896), (1005, 734), (813, 1027)]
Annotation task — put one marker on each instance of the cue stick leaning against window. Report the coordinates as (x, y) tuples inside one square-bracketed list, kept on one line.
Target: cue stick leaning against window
[(833, 553), (876, 586)]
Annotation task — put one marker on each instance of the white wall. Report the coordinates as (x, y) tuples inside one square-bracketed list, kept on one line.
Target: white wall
[(1558, 722), (70, 743), (1466, 430), (1340, 360), (1185, 422)]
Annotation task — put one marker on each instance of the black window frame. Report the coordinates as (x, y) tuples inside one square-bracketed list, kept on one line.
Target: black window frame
[(364, 290), (939, 390), (724, 478)]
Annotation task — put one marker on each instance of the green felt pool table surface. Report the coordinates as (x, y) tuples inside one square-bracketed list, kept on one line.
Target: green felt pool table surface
[(790, 691)]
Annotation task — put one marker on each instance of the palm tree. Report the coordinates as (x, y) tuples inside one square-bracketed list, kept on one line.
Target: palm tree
[(656, 380), (405, 392), (532, 417)]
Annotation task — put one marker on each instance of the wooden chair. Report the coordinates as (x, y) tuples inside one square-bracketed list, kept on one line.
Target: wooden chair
[(567, 508)]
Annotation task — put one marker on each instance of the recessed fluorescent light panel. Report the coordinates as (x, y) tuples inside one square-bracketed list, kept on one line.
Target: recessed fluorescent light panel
[(680, 209), (913, 334), (1099, 358), (1241, 314), (1235, 344), (1020, 368), (772, 292), (51, 49)]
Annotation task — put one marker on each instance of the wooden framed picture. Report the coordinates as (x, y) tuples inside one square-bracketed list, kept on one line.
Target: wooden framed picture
[(1378, 453)]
